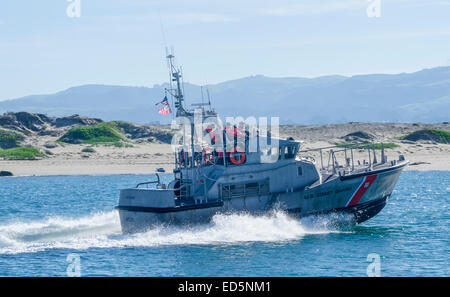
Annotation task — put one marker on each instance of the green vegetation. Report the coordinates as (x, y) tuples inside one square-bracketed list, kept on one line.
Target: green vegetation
[(9, 139), (121, 125), (102, 133), (377, 146), (88, 149), (444, 135), (138, 131), (21, 153), (440, 136), (118, 144), (50, 145)]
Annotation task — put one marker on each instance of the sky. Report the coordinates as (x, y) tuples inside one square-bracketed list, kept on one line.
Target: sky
[(44, 49)]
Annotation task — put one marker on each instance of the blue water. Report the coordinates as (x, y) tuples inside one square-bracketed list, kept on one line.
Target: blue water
[(44, 219)]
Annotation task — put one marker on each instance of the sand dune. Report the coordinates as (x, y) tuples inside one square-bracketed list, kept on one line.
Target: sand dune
[(144, 157)]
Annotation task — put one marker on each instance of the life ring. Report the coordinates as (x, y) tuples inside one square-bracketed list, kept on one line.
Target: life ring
[(241, 160)]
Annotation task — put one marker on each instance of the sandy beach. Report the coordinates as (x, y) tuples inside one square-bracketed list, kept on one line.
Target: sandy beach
[(145, 157), (69, 160), (423, 154), (119, 162)]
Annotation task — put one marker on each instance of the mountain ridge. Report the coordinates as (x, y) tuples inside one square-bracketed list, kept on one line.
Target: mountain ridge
[(406, 97)]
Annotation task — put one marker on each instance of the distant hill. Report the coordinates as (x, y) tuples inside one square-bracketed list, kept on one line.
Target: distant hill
[(423, 96)]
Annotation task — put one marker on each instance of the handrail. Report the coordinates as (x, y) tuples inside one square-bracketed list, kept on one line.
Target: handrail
[(349, 160), (177, 189), (147, 183), (154, 182), (150, 182), (367, 145)]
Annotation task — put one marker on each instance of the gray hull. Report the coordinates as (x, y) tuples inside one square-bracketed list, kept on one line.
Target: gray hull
[(362, 195)]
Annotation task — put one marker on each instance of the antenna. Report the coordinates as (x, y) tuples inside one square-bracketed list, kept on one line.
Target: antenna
[(163, 34), (176, 89), (162, 30), (201, 91), (175, 76), (182, 79), (203, 100), (209, 99)]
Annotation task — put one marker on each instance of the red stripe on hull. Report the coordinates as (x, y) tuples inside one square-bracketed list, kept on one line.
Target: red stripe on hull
[(365, 185)]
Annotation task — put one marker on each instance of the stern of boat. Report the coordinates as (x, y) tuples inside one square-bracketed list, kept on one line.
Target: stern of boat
[(141, 208)]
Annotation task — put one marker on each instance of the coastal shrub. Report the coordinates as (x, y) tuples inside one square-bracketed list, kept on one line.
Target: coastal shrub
[(50, 145), (118, 144), (88, 150), (436, 135), (377, 146), (21, 153), (442, 134), (134, 131), (9, 139), (126, 127), (99, 134), (6, 173)]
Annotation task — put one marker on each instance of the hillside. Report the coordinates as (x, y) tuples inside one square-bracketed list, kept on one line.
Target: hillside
[(423, 96), (34, 144), (27, 136)]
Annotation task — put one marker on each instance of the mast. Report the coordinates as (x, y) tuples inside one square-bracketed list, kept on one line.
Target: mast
[(176, 90), (177, 93), (176, 76)]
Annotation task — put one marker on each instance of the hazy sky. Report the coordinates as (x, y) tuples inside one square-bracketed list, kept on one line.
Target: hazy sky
[(120, 42)]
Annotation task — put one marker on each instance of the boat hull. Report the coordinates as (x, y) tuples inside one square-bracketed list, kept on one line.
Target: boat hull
[(140, 221), (362, 196)]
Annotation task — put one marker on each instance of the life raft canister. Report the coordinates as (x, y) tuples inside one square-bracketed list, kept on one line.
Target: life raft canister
[(233, 159)]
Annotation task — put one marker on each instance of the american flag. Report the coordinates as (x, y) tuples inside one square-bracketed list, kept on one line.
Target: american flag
[(166, 108)]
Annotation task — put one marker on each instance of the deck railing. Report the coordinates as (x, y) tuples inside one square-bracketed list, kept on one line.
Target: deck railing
[(350, 163)]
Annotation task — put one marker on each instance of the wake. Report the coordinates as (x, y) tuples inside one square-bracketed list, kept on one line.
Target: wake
[(102, 230)]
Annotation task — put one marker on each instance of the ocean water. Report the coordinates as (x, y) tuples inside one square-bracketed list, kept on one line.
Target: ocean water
[(45, 220)]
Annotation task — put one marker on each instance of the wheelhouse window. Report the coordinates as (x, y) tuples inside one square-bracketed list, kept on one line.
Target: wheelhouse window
[(289, 152)]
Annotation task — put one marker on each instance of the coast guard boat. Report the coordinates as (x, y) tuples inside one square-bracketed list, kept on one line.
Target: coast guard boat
[(242, 169)]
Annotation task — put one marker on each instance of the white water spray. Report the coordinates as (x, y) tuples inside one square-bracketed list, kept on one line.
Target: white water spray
[(102, 230)]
